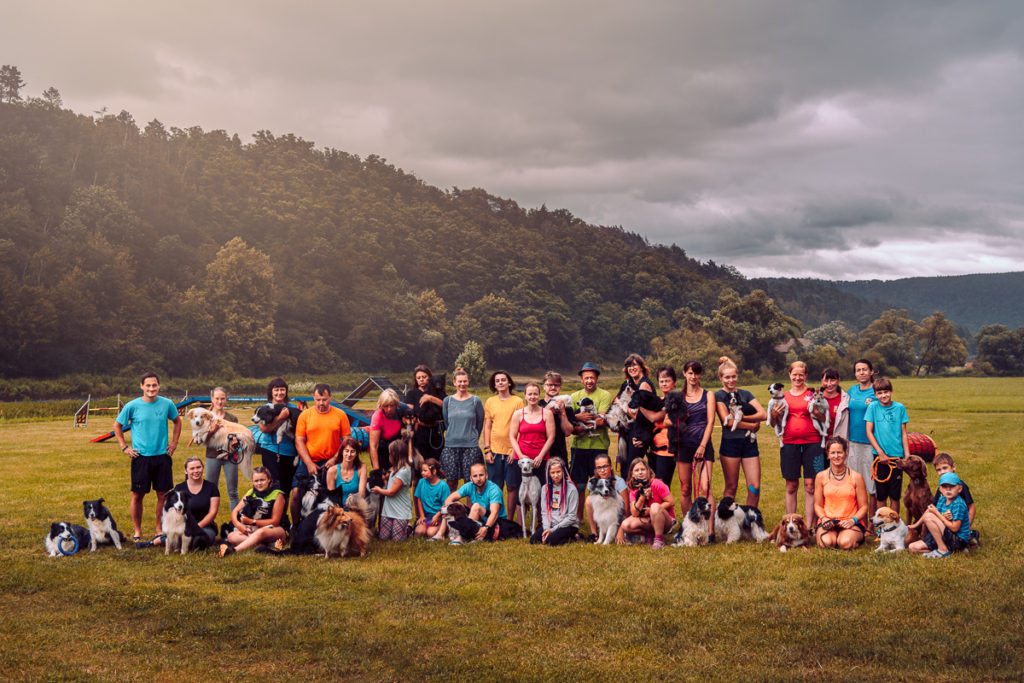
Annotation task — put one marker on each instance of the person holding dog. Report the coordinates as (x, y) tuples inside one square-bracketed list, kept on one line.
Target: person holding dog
[(603, 470), (498, 412), (559, 522), (587, 445), (463, 415), (485, 502), (318, 436), (386, 426), (560, 410), (249, 532), (636, 375), (840, 500), (428, 438), (278, 458), (801, 442), (651, 506), (217, 459), (147, 417), (737, 449)]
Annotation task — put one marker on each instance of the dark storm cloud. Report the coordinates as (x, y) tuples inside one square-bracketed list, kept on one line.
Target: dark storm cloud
[(837, 138)]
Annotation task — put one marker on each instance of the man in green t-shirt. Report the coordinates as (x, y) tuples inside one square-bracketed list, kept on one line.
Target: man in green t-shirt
[(588, 443)]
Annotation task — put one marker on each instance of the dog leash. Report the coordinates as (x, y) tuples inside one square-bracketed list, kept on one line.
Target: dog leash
[(874, 472)]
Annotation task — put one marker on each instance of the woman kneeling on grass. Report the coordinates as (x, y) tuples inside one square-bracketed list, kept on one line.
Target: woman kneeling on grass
[(840, 500), (558, 502), (644, 516), (249, 532)]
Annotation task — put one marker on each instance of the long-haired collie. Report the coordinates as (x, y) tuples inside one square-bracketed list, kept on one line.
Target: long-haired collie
[(344, 531)]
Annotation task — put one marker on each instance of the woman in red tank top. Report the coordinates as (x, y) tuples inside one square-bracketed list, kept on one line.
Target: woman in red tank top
[(801, 443), (532, 432)]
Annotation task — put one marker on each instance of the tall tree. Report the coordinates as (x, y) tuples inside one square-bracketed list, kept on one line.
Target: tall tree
[(1002, 349), (10, 84), (754, 325), (940, 345)]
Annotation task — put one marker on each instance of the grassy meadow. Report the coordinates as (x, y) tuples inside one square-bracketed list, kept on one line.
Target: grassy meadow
[(512, 611)]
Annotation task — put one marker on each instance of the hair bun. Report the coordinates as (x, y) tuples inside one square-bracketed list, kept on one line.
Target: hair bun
[(722, 360)]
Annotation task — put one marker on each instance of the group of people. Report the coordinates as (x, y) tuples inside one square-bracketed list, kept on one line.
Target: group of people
[(462, 438)]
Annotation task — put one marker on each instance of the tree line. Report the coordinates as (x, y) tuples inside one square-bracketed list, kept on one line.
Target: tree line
[(127, 246)]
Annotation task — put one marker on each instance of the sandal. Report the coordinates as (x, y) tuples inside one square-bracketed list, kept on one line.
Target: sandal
[(936, 554), (159, 540)]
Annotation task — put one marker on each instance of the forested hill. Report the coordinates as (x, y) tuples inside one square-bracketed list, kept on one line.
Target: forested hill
[(969, 300), (126, 245)]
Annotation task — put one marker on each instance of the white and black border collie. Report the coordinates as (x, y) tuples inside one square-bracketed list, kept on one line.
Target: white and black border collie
[(181, 528), (738, 522), (268, 412), (102, 528), (64, 533)]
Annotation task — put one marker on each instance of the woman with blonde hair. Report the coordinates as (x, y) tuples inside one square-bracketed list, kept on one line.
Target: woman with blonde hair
[(801, 442), (385, 426), (739, 439)]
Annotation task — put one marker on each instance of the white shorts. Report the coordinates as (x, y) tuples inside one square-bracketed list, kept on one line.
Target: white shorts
[(861, 457)]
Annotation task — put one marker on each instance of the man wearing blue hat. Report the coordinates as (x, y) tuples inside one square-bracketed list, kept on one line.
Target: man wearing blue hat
[(589, 405), (944, 535)]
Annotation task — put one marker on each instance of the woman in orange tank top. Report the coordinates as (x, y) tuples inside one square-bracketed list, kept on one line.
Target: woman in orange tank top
[(840, 500)]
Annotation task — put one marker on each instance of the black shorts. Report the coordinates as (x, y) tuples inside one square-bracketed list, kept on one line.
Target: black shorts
[(739, 448), (685, 454), (953, 542), (888, 489), (152, 470), (793, 456), (582, 467)]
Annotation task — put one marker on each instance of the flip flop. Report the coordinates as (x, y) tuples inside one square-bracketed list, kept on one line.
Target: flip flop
[(136, 539)]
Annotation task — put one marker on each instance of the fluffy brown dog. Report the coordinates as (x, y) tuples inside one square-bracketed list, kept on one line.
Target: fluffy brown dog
[(342, 531), (791, 532), (223, 435)]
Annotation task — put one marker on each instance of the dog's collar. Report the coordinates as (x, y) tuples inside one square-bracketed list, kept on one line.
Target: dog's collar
[(917, 481), (886, 530), (532, 473)]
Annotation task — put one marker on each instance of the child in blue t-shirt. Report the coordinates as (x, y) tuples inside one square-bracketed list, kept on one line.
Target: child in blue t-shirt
[(943, 463), (430, 494), (886, 424), (944, 533)]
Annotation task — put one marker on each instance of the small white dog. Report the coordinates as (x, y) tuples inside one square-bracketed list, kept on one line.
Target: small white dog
[(892, 531), (617, 418), (608, 508), (778, 392), (529, 496), (735, 522), (228, 437)]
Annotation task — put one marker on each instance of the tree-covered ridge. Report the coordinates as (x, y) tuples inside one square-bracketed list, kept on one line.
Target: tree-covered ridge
[(123, 246), (972, 301)]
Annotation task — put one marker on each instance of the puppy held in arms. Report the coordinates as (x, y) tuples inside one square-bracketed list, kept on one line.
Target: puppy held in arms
[(820, 417), (233, 440), (778, 393)]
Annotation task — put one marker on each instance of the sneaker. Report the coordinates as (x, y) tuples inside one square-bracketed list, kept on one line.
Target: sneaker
[(658, 544), (935, 554)]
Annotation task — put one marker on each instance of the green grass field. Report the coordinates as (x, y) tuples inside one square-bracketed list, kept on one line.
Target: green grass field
[(512, 611)]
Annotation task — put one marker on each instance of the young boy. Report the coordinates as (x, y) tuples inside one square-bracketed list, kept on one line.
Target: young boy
[(943, 463), (948, 526), (886, 422)]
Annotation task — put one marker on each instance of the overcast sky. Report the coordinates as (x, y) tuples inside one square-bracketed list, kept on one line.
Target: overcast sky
[(844, 140)]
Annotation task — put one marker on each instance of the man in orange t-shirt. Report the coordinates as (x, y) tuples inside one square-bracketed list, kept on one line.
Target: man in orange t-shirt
[(318, 435)]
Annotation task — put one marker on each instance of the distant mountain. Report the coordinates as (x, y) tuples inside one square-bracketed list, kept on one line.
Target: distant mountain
[(968, 300)]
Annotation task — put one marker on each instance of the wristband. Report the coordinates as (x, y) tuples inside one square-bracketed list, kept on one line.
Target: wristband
[(856, 521), (124, 449)]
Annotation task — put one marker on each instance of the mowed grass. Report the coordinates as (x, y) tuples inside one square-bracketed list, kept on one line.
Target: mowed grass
[(512, 611)]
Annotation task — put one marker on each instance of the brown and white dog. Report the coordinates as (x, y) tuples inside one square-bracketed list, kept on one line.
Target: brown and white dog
[(791, 532), (918, 495), (226, 436), (342, 531), (892, 532)]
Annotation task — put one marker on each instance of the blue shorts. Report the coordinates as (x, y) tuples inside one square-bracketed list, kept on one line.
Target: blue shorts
[(953, 542), (738, 448)]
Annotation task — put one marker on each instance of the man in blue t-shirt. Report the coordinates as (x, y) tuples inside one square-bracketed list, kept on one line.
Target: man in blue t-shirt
[(150, 452), (485, 499)]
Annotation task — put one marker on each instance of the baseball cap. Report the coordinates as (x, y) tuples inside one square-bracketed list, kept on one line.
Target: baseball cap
[(950, 478)]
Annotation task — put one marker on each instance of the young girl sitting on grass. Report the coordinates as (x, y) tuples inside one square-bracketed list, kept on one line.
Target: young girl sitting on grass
[(397, 507), (430, 494)]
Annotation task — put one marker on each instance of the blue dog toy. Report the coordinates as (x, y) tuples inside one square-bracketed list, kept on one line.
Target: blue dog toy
[(74, 546)]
